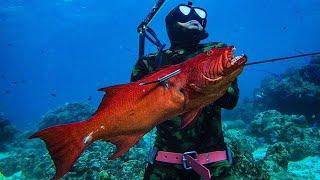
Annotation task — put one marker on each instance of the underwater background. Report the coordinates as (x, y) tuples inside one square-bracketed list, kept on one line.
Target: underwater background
[(55, 54)]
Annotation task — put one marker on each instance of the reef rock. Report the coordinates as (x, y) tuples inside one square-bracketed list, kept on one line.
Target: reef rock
[(308, 168), (244, 166), (32, 159), (27, 159), (307, 145), (297, 91), (245, 142), (94, 163), (244, 111), (275, 127), (7, 132), (300, 140), (311, 72), (279, 154), (68, 113)]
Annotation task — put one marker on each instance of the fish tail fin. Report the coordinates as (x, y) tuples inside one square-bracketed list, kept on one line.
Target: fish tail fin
[(65, 143)]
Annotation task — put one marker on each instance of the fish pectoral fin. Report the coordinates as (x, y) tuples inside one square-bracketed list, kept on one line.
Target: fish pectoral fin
[(195, 87), (124, 143), (189, 117)]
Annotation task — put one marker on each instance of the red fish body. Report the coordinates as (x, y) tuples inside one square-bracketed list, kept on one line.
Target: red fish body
[(129, 111)]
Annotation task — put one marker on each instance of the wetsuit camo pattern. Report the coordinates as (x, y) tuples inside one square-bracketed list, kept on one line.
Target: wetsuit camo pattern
[(203, 135)]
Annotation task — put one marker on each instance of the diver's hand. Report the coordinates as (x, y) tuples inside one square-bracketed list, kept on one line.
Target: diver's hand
[(230, 90)]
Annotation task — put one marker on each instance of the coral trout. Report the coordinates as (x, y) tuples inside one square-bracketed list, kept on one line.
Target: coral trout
[(129, 111)]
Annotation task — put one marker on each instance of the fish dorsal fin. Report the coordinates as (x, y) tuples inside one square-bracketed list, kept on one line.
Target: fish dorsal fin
[(189, 117), (124, 143), (110, 91), (113, 89)]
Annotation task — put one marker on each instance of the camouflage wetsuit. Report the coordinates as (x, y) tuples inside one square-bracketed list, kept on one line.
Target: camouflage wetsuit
[(203, 135)]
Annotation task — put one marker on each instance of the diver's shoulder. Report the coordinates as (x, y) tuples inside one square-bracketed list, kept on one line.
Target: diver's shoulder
[(152, 56), (148, 57), (213, 45)]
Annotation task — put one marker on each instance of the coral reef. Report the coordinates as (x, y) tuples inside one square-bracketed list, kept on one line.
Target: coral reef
[(308, 168), (234, 124), (246, 105), (245, 142), (271, 144), (265, 145), (299, 139), (311, 72), (275, 127), (7, 132), (70, 112), (15, 176), (243, 145), (285, 135), (278, 154), (244, 166), (296, 92), (26, 156), (94, 163), (33, 160)]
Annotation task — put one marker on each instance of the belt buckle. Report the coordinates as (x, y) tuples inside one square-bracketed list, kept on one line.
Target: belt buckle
[(193, 154)]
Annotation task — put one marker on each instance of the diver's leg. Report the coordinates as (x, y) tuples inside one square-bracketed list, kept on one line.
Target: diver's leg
[(163, 171), (220, 170)]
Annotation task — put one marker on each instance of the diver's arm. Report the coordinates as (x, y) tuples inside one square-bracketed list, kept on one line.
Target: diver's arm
[(141, 69), (230, 99)]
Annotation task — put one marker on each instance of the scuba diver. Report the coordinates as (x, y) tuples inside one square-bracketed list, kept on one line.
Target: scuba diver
[(203, 139)]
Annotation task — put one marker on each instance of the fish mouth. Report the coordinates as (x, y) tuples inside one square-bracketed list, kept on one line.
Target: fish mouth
[(231, 63), (239, 60), (225, 64), (235, 60)]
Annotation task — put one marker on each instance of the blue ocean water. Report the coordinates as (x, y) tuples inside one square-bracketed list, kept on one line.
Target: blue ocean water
[(54, 52), (71, 48)]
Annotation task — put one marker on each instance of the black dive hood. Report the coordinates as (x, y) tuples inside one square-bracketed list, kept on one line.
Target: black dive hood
[(181, 36)]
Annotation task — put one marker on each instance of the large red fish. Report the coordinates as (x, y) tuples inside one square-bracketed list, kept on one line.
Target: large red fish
[(129, 111)]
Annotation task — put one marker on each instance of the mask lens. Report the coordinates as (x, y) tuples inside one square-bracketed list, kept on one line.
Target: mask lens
[(185, 10), (201, 13)]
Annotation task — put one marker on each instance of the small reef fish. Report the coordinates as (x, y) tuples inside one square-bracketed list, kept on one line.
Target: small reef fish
[(129, 111)]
